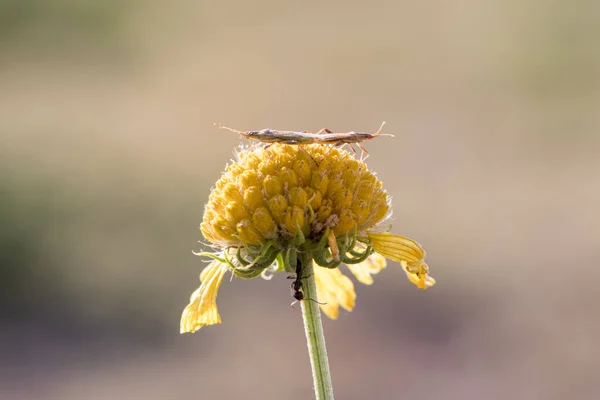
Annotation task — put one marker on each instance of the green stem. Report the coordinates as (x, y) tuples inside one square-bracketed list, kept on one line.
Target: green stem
[(314, 332)]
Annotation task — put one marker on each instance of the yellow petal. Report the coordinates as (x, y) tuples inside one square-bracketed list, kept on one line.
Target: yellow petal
[(417, 273), (371, 266), (206, 271), (396, 248), (407, 252), (202, 310), (335, 289)]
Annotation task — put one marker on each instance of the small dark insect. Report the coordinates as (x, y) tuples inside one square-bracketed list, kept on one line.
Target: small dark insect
[(297, 287)]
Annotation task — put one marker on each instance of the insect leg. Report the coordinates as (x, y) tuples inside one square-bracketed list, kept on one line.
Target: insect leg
[(328, 150), (304, 150), (364, 151), (251, 148), (312, 158), (349, 145), (292, 305)]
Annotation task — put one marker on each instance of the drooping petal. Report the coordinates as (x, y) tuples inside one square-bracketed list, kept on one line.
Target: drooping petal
[(417, 273), (202, 310), (371, 266), (407, 252), (206, 271), (396, 248), (335, 289)]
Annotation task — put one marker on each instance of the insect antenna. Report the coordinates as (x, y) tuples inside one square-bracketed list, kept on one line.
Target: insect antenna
[(382, 134), (229, 129), (299, 301), (318, 302)]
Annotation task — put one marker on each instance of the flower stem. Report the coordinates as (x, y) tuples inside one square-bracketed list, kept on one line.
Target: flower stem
[(314, 332)]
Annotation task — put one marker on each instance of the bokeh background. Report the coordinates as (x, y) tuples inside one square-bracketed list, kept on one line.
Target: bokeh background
[(108, 154)]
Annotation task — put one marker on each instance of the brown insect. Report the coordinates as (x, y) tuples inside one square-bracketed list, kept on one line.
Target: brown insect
[(324, 136)]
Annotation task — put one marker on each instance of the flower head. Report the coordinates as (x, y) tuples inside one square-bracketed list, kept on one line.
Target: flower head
[(278, 201)]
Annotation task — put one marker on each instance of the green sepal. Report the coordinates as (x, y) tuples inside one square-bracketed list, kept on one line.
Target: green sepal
[(299, 238), (320, 245), (290, 259), (355, 253), (359, 258), (213, 256), (228, 260), (323, 241), (343, 245), (238, 256), (364, 240), (257, 266), (248, 273), (280, 262), (256, 253), (353, 245), (321, 259)]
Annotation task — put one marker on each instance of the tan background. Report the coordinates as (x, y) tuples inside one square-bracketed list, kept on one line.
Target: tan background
[(108, 153)]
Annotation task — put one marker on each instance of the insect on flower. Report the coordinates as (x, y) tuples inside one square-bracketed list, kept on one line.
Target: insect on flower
[(324, 136), (310, 210), (297, 287)]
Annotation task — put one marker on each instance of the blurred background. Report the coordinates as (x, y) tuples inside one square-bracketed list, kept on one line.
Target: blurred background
[(108, 153)]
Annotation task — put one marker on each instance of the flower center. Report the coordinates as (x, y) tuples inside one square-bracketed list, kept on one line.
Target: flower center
[(282, 192)]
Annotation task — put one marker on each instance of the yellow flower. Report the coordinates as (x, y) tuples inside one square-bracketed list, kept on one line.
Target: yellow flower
[(278, 201)]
